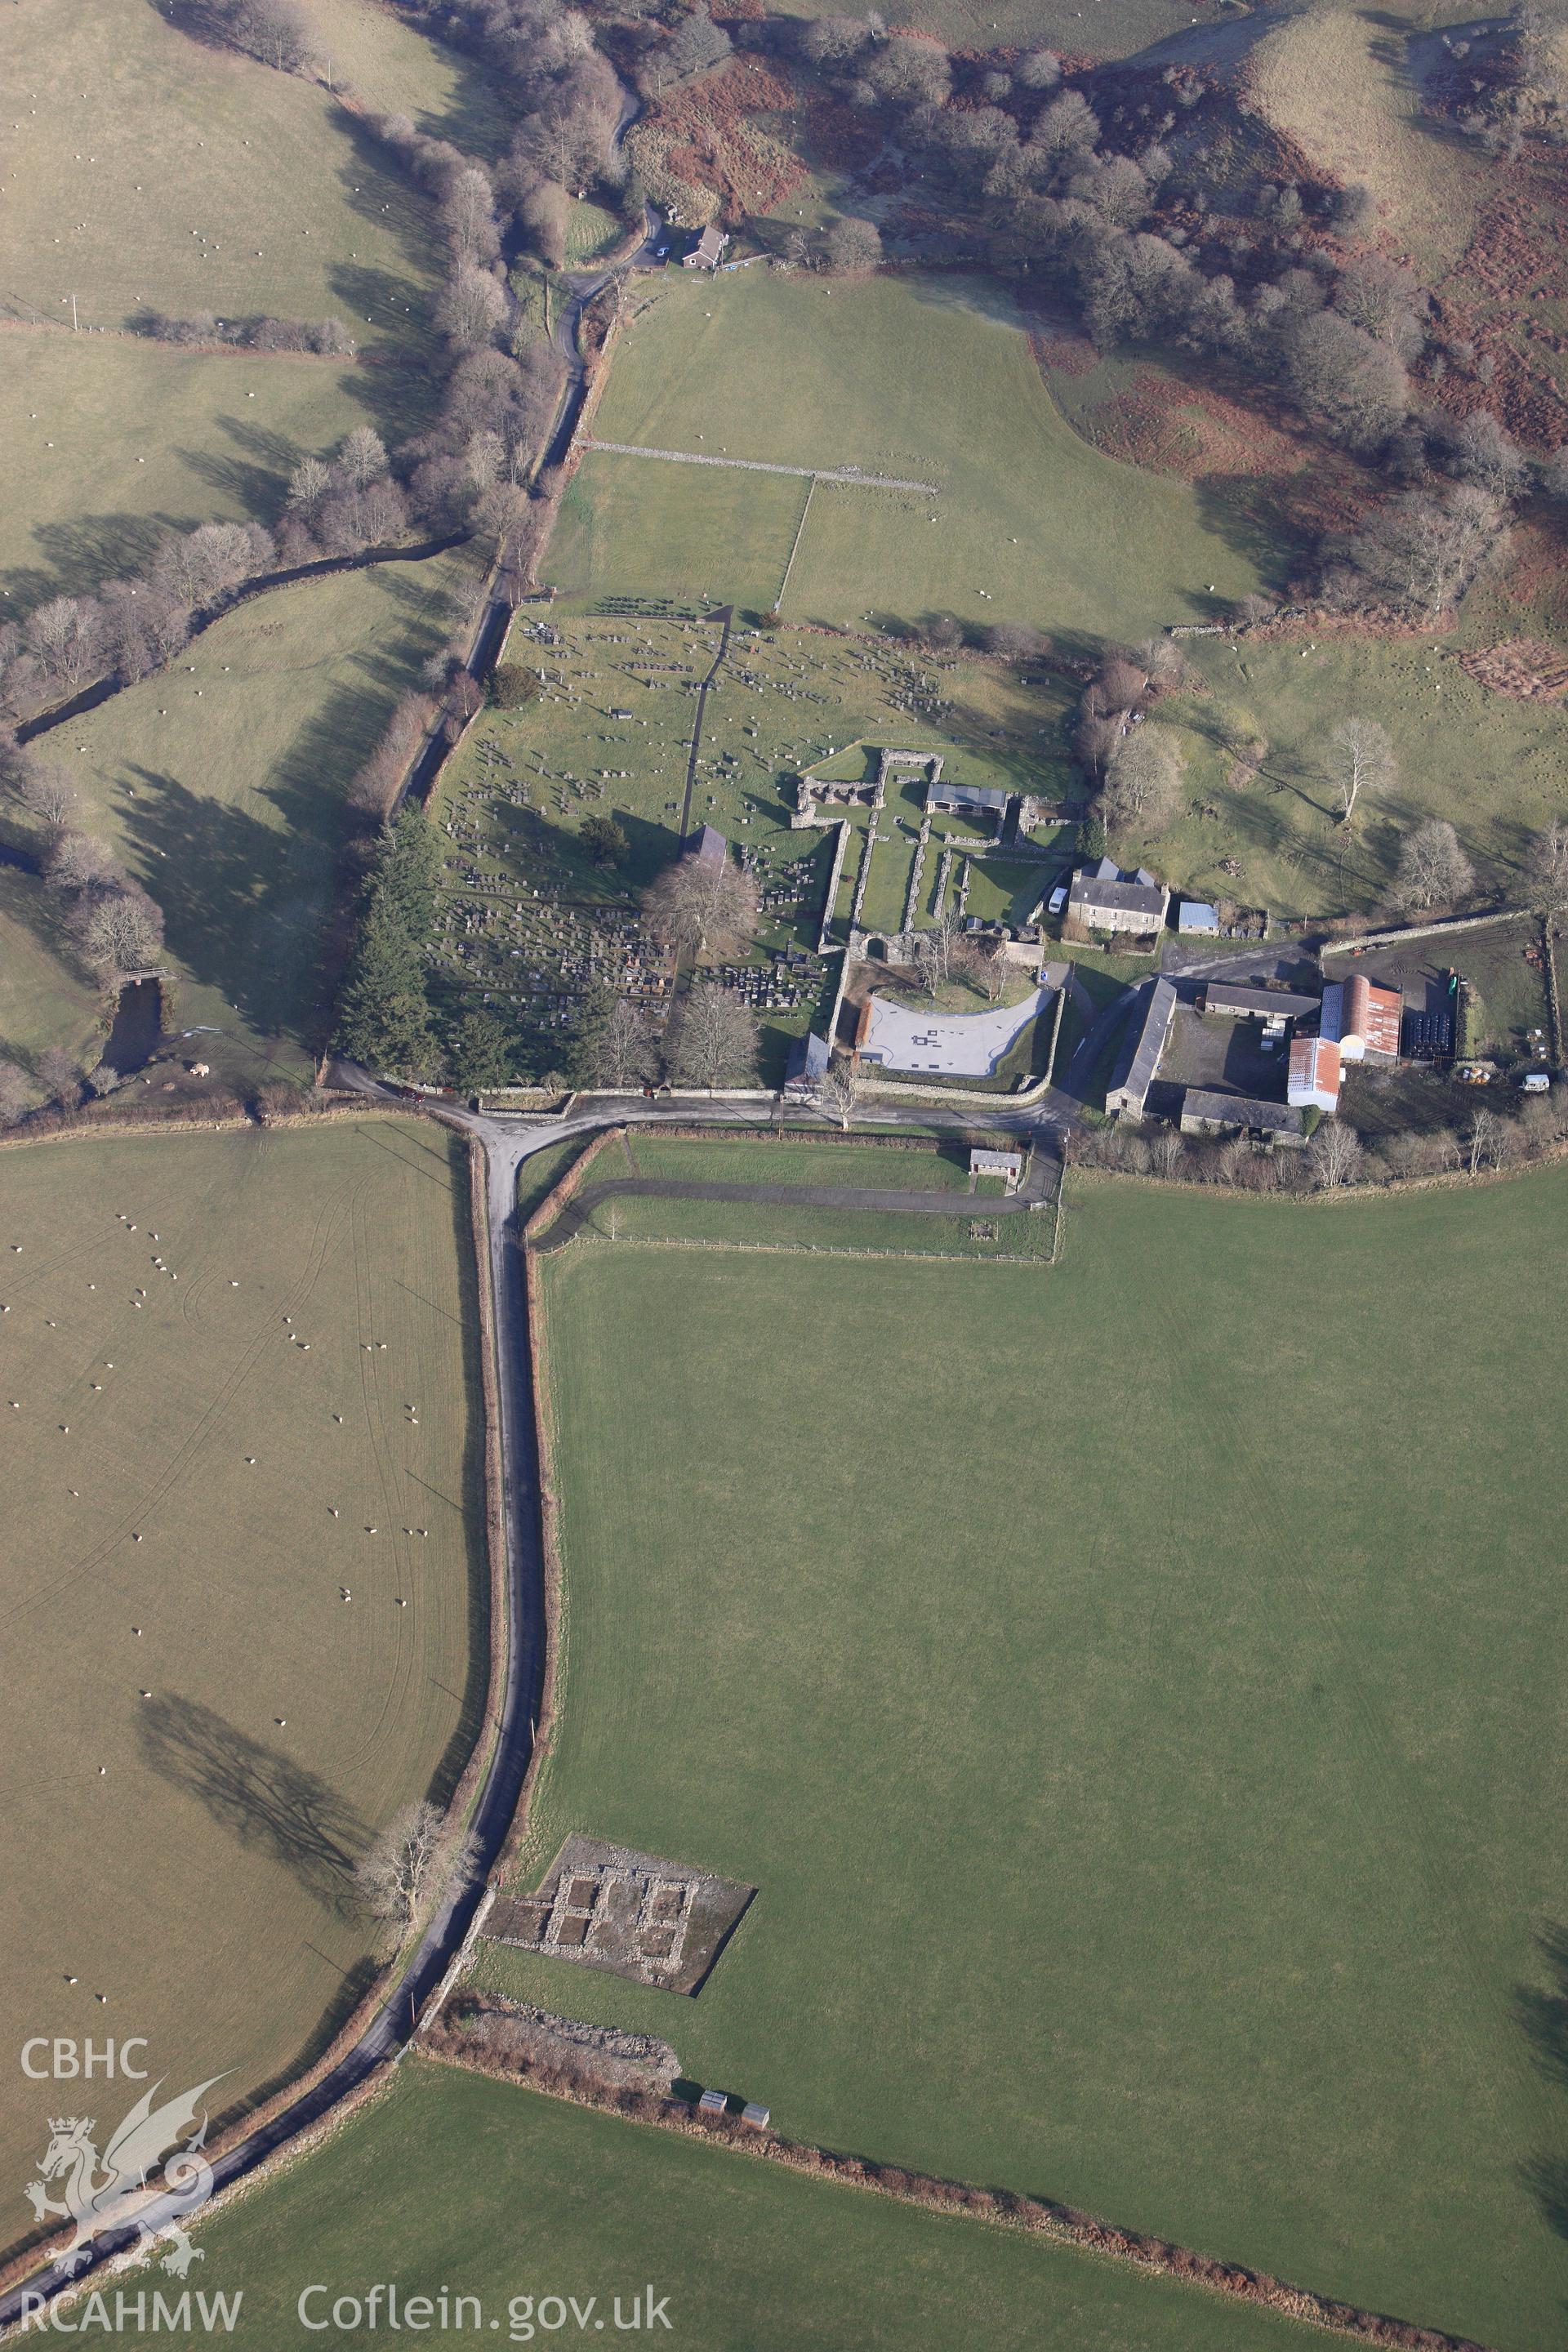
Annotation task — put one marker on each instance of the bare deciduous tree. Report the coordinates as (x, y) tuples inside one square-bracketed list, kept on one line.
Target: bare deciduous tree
[(840, 1089), (1359, 759), (120, 931), (78, 862), (703, 906), (471, 308), (1546, 868), (59, 1074), (625, 1052), (417, 1857), (1433, 869), (46, 793), (937, 951), (717, 1042), (16, 1095), (1486, 1144), (1424, 547), (1335, 1154), (1142, 778)]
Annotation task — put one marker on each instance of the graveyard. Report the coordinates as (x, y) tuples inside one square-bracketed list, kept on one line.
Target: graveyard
[(529, 921)]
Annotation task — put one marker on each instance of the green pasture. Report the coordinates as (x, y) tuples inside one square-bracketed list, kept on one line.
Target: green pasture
[(1495, 767), (220, 785), (387, 64), (116, 442), (145, 166), (173, 1463), (922, 378), (1137, 1695), (453, 2181), (944, 1169)]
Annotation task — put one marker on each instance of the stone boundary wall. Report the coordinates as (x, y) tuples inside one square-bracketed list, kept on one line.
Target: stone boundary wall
[(1396, 939)]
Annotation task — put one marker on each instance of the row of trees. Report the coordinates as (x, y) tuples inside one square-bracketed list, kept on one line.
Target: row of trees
[(1337, 1155), (327, 337), (109, 920)]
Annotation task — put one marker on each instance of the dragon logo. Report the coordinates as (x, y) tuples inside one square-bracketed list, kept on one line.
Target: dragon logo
[(139, 2147)]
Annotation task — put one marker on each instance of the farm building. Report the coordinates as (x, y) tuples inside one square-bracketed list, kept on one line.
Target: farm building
[(708, 251), (1208, 1113), (1196, 920), (1103, 899), (1008, 1165), (1239, 1002), (1313, 1079), (1141, 1051), (1362, 1019)]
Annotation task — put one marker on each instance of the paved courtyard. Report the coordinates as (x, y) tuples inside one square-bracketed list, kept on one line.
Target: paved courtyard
[(958, 1045)]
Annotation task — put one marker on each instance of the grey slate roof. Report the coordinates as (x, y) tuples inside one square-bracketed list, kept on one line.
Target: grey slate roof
[(1239, 1110), (1141, 1051)]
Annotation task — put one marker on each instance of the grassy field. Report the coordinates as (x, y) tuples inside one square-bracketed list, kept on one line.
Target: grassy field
[(144, 166), (929, 380), (450, 2180), (1494, 766), (385, 64), (231, 813), (172, 1844), (117, 442), (1153, 1802)]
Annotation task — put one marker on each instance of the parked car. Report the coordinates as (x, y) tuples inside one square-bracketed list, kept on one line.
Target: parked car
[(1058, 900)]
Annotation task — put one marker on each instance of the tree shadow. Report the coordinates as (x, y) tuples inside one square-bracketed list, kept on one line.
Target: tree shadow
[(266, 1800), (1541, 2014), (85, 551)]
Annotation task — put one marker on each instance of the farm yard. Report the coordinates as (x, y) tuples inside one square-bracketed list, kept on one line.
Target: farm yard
[(232, 814), (1246, 1775), (228, 1359), (921, 378), (450, 2180), (527, 916)]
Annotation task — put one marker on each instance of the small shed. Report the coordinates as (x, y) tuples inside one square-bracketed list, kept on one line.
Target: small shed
[(713, 2102), (755, 2114), (1008, 1165), (1197, 920)]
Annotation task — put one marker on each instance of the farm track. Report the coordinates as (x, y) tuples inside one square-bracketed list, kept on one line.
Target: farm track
[(578, 1211)]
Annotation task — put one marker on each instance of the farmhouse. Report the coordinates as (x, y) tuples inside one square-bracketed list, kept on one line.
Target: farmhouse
[(1312, 1081), (1209, 1114), (1140, 1052), (1240, 1002), (708, 251), (1362, 1019), (1102, 898)]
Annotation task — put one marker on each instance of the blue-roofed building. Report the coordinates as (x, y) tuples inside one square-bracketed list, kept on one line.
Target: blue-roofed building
[(1196, 920)]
